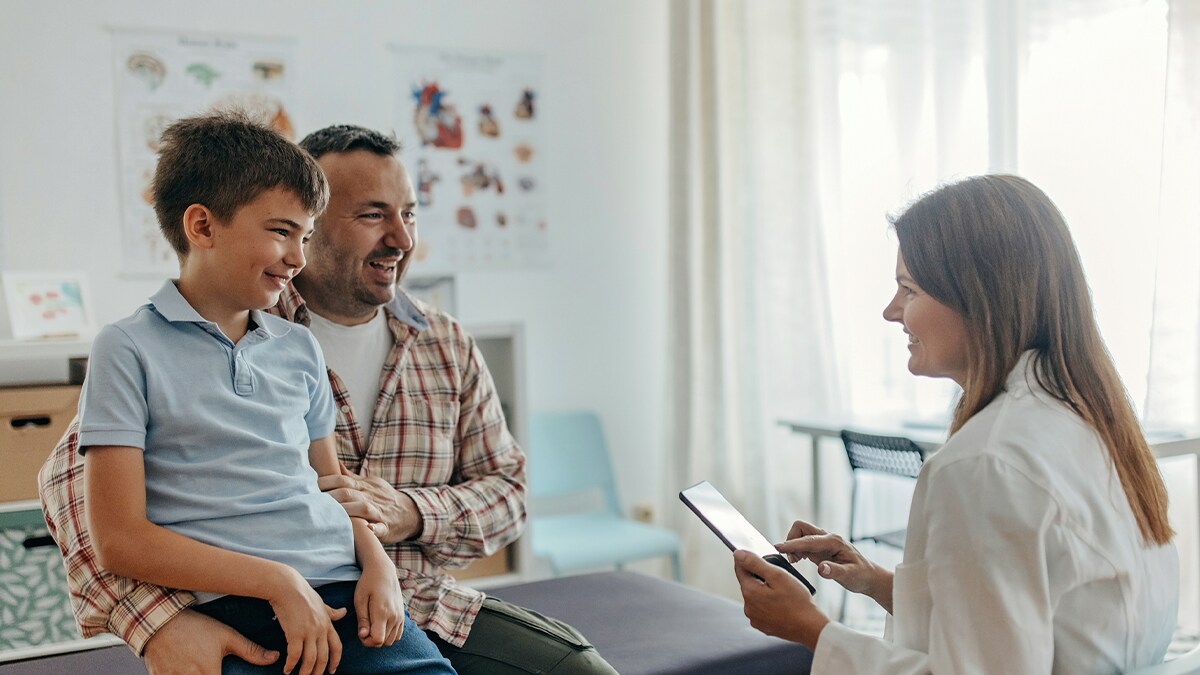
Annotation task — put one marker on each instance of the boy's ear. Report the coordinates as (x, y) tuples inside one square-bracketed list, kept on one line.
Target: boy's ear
[(198, 225)]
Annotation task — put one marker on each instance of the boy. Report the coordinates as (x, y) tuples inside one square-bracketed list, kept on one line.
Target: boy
[(202, 421)]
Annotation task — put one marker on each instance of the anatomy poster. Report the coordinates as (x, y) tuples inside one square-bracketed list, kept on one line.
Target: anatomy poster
[(162, 76), (472, 125)]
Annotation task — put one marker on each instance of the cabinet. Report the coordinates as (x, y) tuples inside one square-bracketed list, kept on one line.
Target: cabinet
[(35, 613)]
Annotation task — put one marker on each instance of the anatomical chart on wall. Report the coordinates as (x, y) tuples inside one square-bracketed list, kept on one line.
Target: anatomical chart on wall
[(472, 126), (163, 76)]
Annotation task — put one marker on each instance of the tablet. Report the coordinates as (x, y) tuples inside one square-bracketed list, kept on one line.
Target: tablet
[(732, 527)]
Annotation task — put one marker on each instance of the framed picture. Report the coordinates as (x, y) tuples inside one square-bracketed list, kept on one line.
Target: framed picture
[(47, 304)]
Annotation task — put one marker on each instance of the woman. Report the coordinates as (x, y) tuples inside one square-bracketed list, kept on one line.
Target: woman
[(1037, 538)]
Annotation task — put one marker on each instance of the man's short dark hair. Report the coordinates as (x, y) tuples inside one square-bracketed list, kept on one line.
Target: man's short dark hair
[(225, 160), (348, 137)]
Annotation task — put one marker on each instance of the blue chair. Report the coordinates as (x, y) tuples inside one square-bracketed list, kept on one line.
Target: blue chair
[(568, 460)]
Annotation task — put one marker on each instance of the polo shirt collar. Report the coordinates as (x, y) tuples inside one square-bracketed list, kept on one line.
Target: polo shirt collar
[(173, 307)]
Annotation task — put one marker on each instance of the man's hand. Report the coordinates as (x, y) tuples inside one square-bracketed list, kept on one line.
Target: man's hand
[(775, 602), (194, 644), (393, 515)]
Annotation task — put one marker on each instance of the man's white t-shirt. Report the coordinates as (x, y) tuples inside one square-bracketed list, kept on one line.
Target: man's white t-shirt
[(356, 354)]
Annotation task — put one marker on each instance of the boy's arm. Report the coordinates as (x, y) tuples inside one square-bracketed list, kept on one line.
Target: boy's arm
[(322, 455), (378, 600), (128, 544)]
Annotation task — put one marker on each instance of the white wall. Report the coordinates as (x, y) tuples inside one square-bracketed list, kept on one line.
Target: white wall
[(595, 321)]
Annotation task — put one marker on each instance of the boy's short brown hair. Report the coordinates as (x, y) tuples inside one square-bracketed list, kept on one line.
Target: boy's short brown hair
[(224, 160)]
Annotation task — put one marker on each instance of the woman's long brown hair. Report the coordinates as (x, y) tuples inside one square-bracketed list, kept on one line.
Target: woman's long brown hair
[(996, 250)]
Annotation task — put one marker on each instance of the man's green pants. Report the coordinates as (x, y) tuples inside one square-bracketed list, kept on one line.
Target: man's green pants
[(510, 640)]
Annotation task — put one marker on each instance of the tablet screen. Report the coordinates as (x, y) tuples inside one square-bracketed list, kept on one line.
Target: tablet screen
[(725, 520)]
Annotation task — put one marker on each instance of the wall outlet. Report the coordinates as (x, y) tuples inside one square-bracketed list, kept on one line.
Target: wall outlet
[(643, 513)]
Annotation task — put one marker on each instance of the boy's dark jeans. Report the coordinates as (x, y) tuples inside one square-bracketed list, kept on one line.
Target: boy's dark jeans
[(412, 654)]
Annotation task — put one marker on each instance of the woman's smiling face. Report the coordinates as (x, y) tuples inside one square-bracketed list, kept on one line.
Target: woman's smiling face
[(937, 335)]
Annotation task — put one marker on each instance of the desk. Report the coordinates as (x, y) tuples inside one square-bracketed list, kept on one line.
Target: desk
[(1165, 444), (931, 436)]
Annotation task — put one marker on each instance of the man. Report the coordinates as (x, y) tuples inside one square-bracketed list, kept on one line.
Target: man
[(429, 459)]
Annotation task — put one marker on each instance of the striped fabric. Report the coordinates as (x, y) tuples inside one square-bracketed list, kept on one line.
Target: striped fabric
[(438, 435)]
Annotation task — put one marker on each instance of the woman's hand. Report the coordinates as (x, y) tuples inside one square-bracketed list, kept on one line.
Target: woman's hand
[(838, 560), (776, 603), (307, 623), (379, 603)]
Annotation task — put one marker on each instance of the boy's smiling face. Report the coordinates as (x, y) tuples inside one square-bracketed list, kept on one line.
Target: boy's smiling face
[(250, 259)]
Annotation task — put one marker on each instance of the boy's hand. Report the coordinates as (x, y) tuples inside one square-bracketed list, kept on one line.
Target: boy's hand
[(307, 623), (380, 606)]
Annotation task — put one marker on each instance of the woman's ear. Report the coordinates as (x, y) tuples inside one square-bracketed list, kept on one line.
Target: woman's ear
[(198, 226)]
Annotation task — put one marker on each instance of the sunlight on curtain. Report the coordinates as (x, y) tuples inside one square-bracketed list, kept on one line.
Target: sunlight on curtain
[(902, 104), (1173, 398), (1090, 135)]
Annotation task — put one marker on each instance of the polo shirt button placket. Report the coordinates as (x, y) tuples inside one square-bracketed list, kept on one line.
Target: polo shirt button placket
[(243, 377)]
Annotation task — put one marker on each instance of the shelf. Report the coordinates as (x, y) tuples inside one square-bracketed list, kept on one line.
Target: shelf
[(80, 645), (503, 349), (39, 362)]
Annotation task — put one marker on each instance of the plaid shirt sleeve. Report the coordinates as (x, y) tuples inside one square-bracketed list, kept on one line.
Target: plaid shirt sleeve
[(482, 509), (102, 602)]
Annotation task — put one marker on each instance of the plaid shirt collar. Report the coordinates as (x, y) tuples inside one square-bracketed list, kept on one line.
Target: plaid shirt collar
[(402, 309)]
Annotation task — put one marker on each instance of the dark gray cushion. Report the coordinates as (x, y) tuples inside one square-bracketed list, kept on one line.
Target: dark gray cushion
[(117, 660), (648, 626)]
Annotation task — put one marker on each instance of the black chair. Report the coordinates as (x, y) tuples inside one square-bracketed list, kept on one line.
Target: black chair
[(890, 455)]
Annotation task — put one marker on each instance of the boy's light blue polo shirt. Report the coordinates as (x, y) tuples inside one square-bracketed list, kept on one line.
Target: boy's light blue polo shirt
[(225, 431)]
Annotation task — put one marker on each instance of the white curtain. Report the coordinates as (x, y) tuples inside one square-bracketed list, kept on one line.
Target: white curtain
[(750, 316), (1173, 398)]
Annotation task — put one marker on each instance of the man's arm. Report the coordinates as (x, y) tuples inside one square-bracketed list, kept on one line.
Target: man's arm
[(101, 601), (482, 509), (152, 620)]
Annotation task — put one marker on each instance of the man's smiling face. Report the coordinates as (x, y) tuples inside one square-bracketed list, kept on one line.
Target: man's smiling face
[(362, 245)]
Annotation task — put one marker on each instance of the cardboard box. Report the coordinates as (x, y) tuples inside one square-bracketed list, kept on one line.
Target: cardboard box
[(32, 420), (496, 564)]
